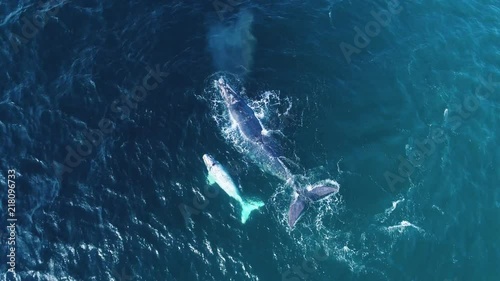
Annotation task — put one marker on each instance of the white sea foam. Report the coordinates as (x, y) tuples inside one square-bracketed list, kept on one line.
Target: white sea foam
[(402, 226)]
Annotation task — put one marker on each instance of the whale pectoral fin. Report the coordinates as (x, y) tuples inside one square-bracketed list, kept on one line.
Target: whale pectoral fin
[(210, 179), (296, 209)]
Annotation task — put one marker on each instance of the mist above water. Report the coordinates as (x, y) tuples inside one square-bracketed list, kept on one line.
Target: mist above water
[(231, 43)]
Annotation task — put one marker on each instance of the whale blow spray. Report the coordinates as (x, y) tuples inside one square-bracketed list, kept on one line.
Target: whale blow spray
[(231, 44)]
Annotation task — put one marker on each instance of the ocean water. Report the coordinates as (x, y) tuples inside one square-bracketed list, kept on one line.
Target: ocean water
[(396, 101)]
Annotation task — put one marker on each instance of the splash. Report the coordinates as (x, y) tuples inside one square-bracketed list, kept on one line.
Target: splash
[(402, 226)]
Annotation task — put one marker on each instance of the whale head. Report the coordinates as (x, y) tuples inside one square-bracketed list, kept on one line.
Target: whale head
[(227, 93), (209, 160)]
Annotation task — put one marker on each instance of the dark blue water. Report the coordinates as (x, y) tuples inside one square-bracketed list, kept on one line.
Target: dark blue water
[(106, 108)]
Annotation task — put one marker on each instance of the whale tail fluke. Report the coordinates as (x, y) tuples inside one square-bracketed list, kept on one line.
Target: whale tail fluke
[(247, 207), (296, 209), (321, 192), (301, 201)]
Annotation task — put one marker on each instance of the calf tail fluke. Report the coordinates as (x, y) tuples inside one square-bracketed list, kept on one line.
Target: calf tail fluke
[(247, 207)]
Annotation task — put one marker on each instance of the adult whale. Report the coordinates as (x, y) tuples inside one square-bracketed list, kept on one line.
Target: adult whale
[(266, 153)]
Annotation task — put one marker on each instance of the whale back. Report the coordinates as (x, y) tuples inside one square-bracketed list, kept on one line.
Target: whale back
[(246, 119), (266, 150)]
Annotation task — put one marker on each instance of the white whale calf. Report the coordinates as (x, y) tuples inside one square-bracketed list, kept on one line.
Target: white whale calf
[(217, 174)]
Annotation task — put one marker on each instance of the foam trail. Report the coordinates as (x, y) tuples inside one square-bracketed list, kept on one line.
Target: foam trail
[(394, 206), (231, 44)]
